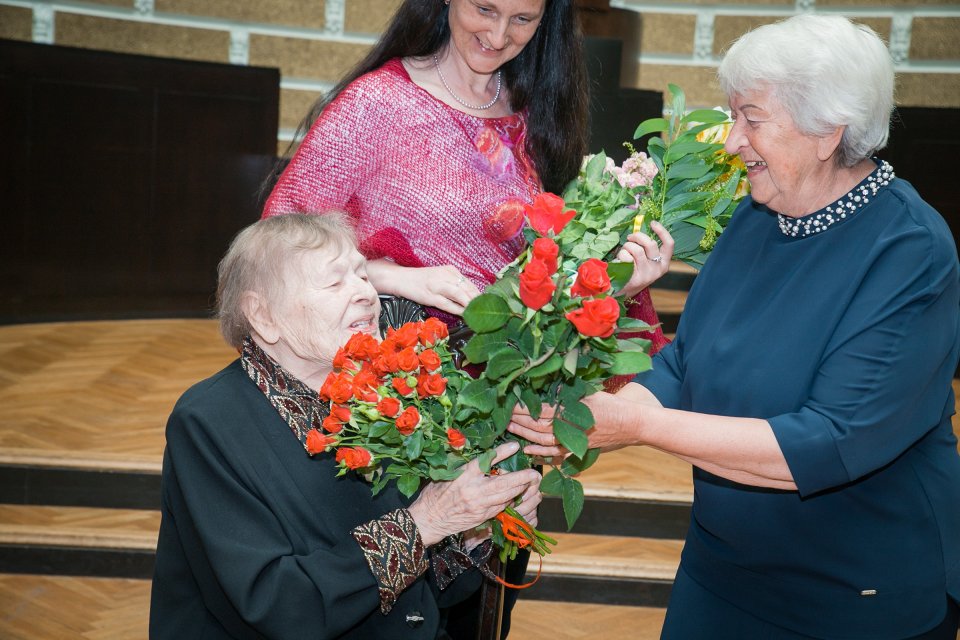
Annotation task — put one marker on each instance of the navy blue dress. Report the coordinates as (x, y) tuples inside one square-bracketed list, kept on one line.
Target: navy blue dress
[(846, 342)]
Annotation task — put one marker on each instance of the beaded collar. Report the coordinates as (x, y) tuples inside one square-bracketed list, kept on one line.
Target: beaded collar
[(843, 208), (298, 405)]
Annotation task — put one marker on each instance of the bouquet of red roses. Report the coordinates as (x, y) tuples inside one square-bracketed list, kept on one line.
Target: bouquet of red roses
[(549, 332), (395, 416)]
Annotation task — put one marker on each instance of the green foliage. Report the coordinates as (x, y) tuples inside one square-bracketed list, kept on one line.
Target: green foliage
[(692, 194)]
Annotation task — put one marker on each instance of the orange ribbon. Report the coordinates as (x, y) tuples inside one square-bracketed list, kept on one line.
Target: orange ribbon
[(514, 530)]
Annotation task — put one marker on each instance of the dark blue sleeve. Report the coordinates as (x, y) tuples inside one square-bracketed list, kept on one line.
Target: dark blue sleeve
[(884, 380), (664, 378)]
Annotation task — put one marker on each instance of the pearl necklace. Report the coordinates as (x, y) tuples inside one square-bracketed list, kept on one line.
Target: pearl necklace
[(844, 207), (436, 61)]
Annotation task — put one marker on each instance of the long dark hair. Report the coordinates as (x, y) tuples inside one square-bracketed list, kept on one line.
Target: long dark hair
[(547, 79)]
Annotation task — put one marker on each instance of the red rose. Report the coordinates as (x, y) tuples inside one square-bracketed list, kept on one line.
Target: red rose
[(331, 424), (362, 346), (456, 439), (341, 413), (432, 330), (405, 336), (407, 360), (597, 318), (536, 286), (400, 384), (431, 384), (353, 457), (317, 442), (341, 389), (429, 360), (408, 420), (592, 279), (365, 384), (327, 386), (388, 407), (546, 214), (342, 362), (386, 363), (546, 251)]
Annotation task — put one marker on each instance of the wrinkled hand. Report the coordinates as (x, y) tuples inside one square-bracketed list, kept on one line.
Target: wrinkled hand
[(444, 288), (447, 508), (644, 252), (540, 432)]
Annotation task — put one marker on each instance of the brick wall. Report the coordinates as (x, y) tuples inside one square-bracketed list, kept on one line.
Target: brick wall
[(314, 41)]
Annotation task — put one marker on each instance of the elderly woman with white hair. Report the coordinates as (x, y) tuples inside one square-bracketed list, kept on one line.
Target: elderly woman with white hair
[(809, 383), (259, 539)]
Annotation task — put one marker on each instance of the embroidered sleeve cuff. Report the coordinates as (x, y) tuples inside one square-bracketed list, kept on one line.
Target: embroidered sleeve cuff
[(394, 553), (449, 559)]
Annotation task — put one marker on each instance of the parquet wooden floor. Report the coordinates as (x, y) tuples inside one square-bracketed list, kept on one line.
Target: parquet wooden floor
[(66, 608), (91, 390)]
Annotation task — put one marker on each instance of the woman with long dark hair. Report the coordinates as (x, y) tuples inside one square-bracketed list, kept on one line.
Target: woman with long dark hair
[(463, 112)]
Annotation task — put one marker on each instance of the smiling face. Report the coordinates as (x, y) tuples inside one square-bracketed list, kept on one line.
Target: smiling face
[(325, 298), (486, 34), (789, 170)]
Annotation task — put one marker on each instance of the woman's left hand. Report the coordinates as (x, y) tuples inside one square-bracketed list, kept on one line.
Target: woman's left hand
[(650, 262), (603, 434)]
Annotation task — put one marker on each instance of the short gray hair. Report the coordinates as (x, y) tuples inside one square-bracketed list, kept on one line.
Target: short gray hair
[(826, 72), (258, 255)]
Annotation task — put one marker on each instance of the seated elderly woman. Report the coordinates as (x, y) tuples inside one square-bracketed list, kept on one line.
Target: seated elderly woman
[(809, 383), (258, 538)]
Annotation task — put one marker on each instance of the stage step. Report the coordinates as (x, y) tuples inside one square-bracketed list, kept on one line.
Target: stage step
[(600, 569), (78, 540), (542, 620), (630, 492), (606, 569), (40, 607)]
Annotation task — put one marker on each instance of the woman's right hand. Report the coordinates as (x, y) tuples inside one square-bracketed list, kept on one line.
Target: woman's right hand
[(447, 508), (443, 287)]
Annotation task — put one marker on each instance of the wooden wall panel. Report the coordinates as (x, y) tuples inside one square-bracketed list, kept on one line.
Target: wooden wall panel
[(129, 177)]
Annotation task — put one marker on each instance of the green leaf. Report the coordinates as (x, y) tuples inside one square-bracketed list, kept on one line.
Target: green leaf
[(408, 484), (619, 273), (552, 483), (577, 413), (634, 344), (632, 324), (487, 312), (685, 172), (413, 445), (502, 412), (443, 475), (531, 400), (478, 394), (570, 436), (653, 125), (481, 345), (551, 364), (629, 363), (504, 362), (571, 392), (485, 459), (594, 169), (572, 500), (570, 361), (707, 116), (517, 462), (685, 147), (574, 465)]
